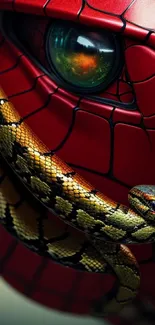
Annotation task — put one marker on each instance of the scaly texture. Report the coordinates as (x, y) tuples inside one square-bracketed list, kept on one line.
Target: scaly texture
[(44, 236), (75, 201)]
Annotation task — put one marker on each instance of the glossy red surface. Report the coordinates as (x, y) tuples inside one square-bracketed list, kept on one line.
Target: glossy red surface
[(111, 147)]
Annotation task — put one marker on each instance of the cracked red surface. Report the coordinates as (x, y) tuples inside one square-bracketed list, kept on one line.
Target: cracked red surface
[(111, 147)]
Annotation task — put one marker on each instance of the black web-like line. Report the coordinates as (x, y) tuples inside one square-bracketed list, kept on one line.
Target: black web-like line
[(124, 21), (73, 120), (13, 245), (30, 288), (70, 129), (127, 81), (14, 66), (45, 6), (29, 89), (118, 94), (83, 5), (75, 283), (85, 2), (69, 132), (108, 12), (75, 286)]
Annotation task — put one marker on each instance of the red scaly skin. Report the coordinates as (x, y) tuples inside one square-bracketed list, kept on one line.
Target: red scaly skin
[(122, 150)]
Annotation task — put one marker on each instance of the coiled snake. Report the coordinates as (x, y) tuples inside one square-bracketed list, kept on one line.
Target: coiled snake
[(103, 226)]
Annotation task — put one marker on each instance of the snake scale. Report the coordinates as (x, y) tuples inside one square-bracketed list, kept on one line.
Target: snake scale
[(91, 230)]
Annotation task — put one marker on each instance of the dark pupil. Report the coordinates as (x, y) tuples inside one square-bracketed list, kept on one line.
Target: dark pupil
[(82, 58)]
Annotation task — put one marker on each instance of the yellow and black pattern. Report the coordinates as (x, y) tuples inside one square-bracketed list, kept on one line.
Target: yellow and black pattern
[(70, 248), (59, 189)]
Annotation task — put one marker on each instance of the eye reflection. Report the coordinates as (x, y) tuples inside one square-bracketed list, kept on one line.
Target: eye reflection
[(82, 58)]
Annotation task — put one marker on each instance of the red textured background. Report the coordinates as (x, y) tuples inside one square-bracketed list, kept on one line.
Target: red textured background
[(111, 147)]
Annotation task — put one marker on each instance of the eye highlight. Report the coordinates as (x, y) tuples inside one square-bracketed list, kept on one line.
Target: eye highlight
[(85, 59), (81, 59)]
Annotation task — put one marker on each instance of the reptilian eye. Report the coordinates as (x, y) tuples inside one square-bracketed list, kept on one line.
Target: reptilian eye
[(82, 57), (79, 58)]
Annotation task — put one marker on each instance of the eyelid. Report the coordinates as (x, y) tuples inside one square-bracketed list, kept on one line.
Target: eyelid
[(131, 105), (26, 39), (53, 9)]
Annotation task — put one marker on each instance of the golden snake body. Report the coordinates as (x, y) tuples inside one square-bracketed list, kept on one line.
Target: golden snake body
[(105, 223)]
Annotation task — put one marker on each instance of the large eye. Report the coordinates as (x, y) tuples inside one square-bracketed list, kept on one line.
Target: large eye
[(85, 59)]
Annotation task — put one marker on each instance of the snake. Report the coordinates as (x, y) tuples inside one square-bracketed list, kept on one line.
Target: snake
[(86, 231)]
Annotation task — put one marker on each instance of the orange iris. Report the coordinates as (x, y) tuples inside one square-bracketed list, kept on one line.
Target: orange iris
[(84, 62)]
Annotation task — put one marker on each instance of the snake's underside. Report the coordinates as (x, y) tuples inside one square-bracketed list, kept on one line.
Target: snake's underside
[(102, 224)]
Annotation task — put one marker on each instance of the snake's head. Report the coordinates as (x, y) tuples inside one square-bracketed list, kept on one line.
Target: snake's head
[(80, 75), (85, 85), (142, 198)]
